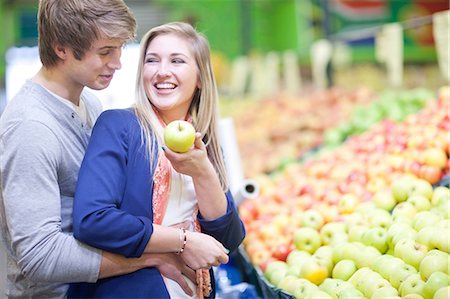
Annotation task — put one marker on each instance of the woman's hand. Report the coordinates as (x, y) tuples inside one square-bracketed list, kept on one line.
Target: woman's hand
[(203, 251), (194, 162)]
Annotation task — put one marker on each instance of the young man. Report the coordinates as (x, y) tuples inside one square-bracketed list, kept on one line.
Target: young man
[(44, 132)]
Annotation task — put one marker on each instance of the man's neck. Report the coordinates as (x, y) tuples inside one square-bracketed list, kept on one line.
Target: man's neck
[(57, 83)]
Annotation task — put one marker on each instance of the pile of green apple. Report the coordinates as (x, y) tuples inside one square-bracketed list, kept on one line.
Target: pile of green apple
[(390, 104), (379, 251)]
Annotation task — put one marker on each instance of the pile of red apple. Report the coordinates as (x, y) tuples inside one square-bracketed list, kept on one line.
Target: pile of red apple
[(272, 130), (337, 206)]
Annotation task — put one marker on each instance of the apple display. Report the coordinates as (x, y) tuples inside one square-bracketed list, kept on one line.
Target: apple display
[(179, 136)]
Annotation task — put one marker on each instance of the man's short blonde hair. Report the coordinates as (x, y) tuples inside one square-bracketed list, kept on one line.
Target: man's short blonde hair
[(78, 23)]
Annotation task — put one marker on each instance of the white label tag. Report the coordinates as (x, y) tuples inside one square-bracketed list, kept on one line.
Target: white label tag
[(389, 50), (441, 34)]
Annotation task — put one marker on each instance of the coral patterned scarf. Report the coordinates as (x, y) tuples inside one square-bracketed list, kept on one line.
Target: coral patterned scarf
[(161, 194)]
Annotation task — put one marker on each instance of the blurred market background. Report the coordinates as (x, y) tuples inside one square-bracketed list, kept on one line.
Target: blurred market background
[(297, 78)]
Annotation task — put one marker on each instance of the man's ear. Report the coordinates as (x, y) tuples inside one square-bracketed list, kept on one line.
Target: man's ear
[(60, 51)]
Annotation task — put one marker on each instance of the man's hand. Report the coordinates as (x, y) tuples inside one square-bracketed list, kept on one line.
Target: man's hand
[(172, 267)]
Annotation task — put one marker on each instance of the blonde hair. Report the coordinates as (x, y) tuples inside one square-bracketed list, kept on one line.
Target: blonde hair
[(78, 23), (204, 105)]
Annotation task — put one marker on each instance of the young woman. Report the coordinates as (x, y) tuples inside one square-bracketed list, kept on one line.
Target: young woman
[(135, 195)]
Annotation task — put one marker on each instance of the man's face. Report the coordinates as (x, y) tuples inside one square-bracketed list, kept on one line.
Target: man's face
[(96, 68)]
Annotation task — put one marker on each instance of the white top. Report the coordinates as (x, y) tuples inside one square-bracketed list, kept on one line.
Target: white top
[(80, 109), (181, 206)]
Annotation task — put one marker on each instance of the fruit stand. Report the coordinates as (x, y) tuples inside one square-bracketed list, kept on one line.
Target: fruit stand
[(364, 214)]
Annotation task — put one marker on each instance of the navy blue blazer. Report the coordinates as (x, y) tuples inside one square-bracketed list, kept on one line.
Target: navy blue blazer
[(113, 207)]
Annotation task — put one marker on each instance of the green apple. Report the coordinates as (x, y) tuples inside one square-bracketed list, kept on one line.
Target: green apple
[(324, 252), (424, 219), (313, 271), (349, 293), (344, 269), (441, 239), (379, 218), (360, 275), (384, 199), (388, 267), (385, 292), (402, 187), (312, 218), (442, 209), (440, 194), (379, 283), (332, 286), (304, 288), (442, 293), (420, 202), (348, 203), (422, 187), (318, 294), (411, 252), (179, 136), (398, 228), (400, 274), (436, 281), (356, 232), (412, 296), (288, 284), (425, 235), (404, 209), (307, 239), (296, 256), (278, 267), (332, 230), (434, 261), (413, 284), (376, 237)]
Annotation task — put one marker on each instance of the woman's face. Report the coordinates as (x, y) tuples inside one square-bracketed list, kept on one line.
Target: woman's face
[(170, 76)]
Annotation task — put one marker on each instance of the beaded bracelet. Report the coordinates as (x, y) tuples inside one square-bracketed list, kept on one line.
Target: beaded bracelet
[(183, 240)]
